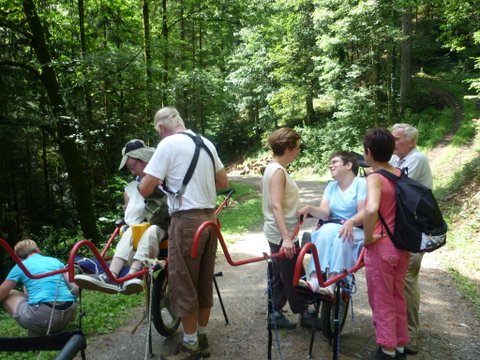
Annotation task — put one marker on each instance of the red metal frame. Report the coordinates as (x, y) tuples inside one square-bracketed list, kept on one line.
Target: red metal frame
[(216, 228), (298, 265), (87, 243)]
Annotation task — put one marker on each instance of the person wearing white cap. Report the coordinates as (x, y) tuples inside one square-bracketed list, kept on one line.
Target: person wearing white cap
[(135, 157)]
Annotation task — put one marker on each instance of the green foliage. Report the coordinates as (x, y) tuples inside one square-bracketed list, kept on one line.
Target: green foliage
[(235, 71), (57, 242), (431, 121), (319, 142)]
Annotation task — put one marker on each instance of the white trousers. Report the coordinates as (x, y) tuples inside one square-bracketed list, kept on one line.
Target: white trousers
[(148, 246)]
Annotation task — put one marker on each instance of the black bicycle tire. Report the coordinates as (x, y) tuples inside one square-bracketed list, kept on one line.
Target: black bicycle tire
[(160, 301), (328, 315)]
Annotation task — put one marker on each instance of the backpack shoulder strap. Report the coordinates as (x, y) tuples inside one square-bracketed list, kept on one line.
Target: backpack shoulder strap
[(389, 175), (394, 178), (199, 143)]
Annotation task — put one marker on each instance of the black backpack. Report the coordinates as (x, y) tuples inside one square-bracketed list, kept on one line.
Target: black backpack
[(419, 224)]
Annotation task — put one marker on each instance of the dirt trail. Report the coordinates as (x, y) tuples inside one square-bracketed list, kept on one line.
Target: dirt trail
[(449, 327)]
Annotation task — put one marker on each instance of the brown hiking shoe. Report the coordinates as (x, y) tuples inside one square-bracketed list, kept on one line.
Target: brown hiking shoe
[(185, 351), (203, 344)]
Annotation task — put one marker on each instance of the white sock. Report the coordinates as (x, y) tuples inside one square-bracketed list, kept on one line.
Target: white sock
[(202, 329), (135, 267), (314, 284), (190, 339), (331, 287)]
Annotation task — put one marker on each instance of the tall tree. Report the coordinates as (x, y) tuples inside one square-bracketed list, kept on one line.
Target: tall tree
[(405, 59), (147, 53), (64, 133)]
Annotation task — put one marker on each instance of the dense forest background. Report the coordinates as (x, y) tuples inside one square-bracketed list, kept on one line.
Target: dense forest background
[(80, 78)]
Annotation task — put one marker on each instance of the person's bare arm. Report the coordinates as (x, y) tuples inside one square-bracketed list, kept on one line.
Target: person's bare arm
[(6, 287), (277, 187), (72, 286), (221, 179), (346, 231), (320, 212), (374, 190), (148, 184)]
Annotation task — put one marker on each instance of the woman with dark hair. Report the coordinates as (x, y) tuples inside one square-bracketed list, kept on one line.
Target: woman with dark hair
[(340, 239), (385, 265)]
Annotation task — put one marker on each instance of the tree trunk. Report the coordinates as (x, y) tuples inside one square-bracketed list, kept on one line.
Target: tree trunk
[(148, 57), (165, 44), (406, 60), (66, 143)]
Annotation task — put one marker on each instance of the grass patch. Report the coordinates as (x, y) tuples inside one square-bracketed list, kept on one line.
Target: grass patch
[(467, 288), (243, 213)]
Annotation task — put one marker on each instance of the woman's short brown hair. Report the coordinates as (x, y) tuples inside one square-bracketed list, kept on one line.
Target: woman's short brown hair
[(282, 139)]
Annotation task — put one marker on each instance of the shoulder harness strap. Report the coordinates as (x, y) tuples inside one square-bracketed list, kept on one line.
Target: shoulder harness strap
[(197, 139)]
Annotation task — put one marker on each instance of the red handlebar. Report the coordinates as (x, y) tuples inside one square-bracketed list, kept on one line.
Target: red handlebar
[(103, 264), (298, 265), (216, 228)]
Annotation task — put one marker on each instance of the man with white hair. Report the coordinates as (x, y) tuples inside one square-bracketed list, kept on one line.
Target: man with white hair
[(135, 157), (189, 169), (407, 156)]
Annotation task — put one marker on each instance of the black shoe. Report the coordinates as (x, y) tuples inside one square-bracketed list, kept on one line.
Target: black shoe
[(307, 320), (203, 343), (380, 355), (279, 321), (411, 350), (400, 356)]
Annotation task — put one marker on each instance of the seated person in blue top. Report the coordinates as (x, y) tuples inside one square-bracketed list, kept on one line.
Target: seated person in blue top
[(340, 241), (47, 305), (153, 209)]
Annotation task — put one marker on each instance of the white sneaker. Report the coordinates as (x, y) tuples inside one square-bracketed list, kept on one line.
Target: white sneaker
[(314, 287), (132, 286), (97, 283)]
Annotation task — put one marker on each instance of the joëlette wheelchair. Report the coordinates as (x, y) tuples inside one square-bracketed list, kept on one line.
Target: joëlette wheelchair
[(333, 309), (155, 275)]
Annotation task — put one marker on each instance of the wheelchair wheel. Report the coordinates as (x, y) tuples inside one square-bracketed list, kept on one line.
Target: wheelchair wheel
[(164, 320), (328, 315)]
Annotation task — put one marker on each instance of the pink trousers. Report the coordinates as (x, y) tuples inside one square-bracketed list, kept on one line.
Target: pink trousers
[(385, 267)]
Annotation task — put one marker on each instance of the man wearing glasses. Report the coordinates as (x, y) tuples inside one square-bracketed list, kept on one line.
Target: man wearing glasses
[(407, 156), (135, 157)]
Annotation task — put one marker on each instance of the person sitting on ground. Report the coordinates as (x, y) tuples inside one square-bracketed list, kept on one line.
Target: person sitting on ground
[(340, 239), (154, 209), (47, 305)]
